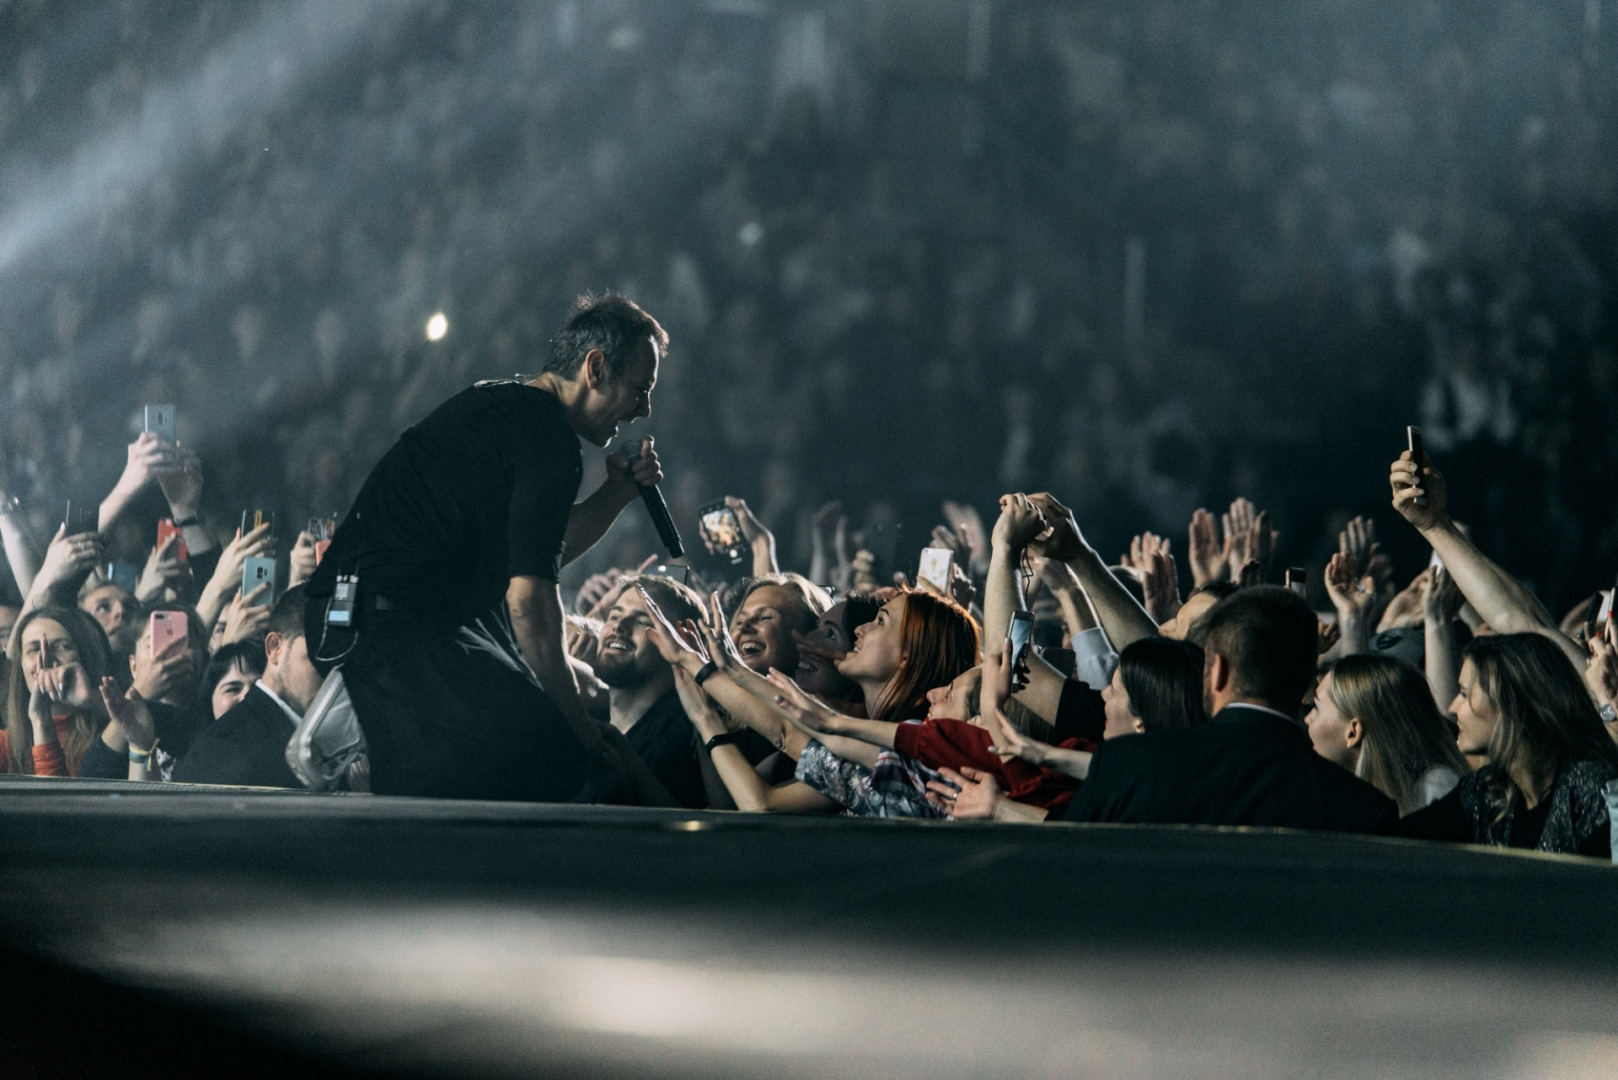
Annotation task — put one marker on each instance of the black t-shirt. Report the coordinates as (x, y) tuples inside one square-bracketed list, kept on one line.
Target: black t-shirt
[(667, 743), (477, 493)]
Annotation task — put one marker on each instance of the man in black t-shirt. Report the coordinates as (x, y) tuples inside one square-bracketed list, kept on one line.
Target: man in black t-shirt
[(456, 665)]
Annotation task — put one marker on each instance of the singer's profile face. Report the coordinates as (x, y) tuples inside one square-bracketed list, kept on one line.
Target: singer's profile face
[(622, 399)]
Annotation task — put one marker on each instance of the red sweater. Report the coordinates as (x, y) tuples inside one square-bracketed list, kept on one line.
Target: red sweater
[(954, 744), (49, 760)]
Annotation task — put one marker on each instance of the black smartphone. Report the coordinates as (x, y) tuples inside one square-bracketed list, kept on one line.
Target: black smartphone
[(252, 519), (1413, 438), (81, 517), (1022, 632), (672, 571), (1297, 579), (160, 421), (720, 526), (882, 541)]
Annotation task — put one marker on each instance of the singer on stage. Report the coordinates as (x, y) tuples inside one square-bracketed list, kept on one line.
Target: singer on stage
[(455, 663)]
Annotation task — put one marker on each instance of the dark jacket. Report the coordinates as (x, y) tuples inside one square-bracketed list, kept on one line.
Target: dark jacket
[(248, 745), (1245, 766)]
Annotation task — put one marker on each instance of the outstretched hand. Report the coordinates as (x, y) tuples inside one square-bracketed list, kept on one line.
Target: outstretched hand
[(1062, 541), (1601, 673), (1251, 538), (818, 648), (969, 793), (1160, 584), (807, 712), (130, 715), (677, 645), (1019, 524), (65, 558), (1209, 558), (1410, 484), (164, 569), (968, 524)]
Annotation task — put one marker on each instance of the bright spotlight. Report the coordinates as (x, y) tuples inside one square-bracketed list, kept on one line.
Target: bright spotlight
[(437, 327)]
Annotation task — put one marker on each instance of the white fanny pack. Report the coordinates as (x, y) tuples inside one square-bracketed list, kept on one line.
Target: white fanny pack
[(328, 745)]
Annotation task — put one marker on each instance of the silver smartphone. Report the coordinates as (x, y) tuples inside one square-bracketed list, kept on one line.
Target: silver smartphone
[(160, 421)]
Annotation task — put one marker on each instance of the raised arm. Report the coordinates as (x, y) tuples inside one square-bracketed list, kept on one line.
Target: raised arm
[(1124, 620), (741, 780), (1356, 602), (1440, 602), (759, 538), (21, 552), (1499, 598), (849, 737), (746, 697), (1018, 524)]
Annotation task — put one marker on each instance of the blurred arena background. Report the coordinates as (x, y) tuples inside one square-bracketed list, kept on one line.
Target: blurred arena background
[(1148, 256)]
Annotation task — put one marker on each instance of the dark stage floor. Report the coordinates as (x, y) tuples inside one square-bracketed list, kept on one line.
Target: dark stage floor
[(154, 930)]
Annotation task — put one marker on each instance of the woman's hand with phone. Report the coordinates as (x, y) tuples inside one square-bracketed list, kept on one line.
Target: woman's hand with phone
[(245, 617), (65, 559), (168, 672), (301, 560), (1410, 483), (1601, 673), (164, 570), (257, 544)]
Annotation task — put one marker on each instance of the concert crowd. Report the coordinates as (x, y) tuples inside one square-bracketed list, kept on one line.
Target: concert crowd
[(1014, 674), (1104, 626)]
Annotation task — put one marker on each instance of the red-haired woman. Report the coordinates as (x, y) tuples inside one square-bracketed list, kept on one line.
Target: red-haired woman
[(917, 642)]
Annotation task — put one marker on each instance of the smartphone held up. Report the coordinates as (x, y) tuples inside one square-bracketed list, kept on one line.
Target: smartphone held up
[(721, 530), (1417, 457)]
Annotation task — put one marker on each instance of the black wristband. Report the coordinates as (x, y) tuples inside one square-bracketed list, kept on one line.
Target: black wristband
[(187, 523), (724, 738), (705, 672)]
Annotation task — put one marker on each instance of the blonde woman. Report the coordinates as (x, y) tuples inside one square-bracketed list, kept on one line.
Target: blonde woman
[(1375, 717)]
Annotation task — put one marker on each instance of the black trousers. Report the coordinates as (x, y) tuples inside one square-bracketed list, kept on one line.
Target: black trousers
[(453, 712)]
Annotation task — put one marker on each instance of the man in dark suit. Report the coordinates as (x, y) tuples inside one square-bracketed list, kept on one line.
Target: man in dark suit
[(1252, 762), (248, 745)]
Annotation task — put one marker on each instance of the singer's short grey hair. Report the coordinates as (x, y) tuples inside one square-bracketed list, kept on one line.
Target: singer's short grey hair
[(614, 324)]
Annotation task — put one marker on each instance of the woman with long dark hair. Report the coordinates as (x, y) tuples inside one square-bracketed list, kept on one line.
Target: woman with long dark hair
[(54, 710), (1158, 685), (1523, 705)]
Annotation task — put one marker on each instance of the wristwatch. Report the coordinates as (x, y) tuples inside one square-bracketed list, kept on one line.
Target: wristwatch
[(724, 738), (1609, 715)]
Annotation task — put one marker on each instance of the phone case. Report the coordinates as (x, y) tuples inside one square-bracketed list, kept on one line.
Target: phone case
[(165, 529), (1022, 632), (252, 519), (255, 572), (160, 421), (723, 529), (934, 569), (167, 626), (80, 518)]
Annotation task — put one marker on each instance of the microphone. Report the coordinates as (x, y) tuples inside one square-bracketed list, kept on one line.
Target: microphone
[(658, 509)]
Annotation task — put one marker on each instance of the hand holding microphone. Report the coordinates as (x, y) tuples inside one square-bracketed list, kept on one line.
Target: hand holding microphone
[(647, 473)]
